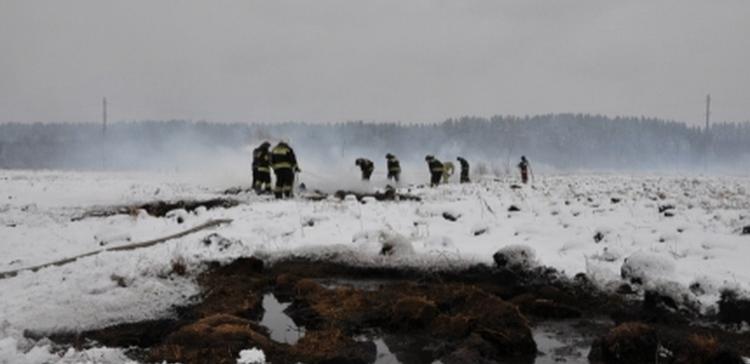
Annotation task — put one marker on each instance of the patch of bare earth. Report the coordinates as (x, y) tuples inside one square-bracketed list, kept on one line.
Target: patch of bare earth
[(481, 314)]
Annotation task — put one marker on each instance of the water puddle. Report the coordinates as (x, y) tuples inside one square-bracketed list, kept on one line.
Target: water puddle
[(384, 355), (361, 284), (567, 341), (397, 349), (281, 326)]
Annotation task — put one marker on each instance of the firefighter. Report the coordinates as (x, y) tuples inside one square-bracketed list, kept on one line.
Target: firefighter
[(366, 166), (262, 169), (525, 168), (464, 170), (394, 167), (436, 170), (448, 170), (284, 164)]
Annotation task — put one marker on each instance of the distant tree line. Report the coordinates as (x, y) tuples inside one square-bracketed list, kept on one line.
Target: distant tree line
[(562, 141)]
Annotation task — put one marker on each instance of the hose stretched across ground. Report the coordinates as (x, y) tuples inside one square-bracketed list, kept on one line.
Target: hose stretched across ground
[(144, 244)]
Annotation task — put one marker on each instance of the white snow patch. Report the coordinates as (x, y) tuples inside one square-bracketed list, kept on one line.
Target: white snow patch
[(252, 356), (555, 227), (23, 351), (647, 267)]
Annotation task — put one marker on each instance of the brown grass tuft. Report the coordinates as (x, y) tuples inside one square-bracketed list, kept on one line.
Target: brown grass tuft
[(179, 266)]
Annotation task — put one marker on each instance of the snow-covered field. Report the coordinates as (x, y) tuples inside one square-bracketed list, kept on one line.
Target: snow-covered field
[(576, 223)]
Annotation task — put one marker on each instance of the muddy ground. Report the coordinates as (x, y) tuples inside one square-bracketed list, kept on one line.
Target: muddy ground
[(335, 313), (159, 208)]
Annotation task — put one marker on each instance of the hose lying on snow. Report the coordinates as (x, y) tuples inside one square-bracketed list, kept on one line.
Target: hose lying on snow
[(144, 244)]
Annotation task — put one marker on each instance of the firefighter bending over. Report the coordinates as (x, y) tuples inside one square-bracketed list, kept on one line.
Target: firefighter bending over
[(464, 170), (394, 167), (366, 166), (284, 164), (262, 168), (436, 170)]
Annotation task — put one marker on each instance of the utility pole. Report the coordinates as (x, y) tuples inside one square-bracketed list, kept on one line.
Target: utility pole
[(707, 136), (104, 133), (708, 113), (104, 117)]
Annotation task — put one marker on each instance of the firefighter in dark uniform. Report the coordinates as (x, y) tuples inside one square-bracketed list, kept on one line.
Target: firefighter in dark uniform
[(262, 168), (436, 170), (525, 168), (366, 166), (284, 164), (464, 170), (394, 167)]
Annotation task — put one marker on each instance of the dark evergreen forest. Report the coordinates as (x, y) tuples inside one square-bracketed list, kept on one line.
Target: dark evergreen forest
[(560, 141)]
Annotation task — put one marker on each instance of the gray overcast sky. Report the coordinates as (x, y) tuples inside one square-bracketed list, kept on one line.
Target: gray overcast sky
[(336, 60)]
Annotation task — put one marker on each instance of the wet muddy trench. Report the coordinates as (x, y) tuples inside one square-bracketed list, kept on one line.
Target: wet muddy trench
[(558, 341), (323, 312)]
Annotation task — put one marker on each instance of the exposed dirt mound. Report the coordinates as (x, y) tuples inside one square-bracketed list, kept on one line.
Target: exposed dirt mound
[(733, 309), (480, 314), (413, 311), (636, 342), (333, 346), (159, 208), (214, 339), (387, 195), (235, 289), (631, 342)]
